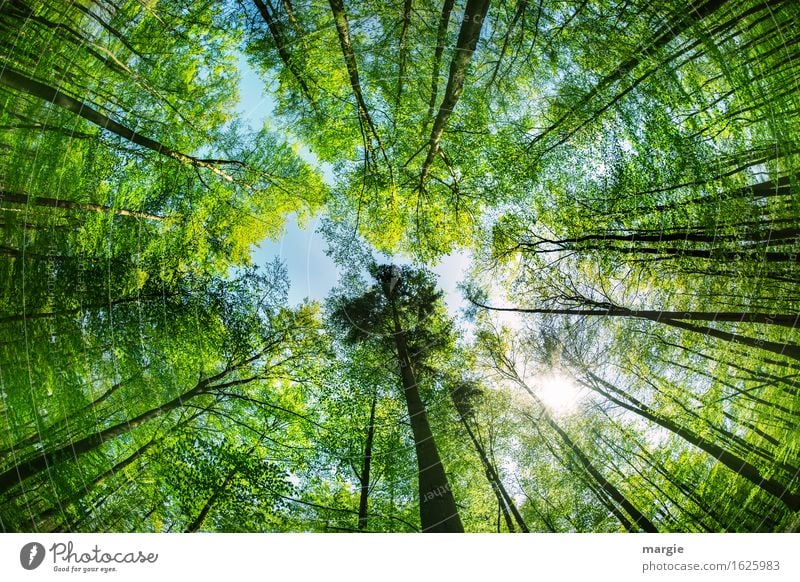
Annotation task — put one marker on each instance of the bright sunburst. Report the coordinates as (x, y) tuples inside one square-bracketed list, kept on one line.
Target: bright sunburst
[(559, 393)]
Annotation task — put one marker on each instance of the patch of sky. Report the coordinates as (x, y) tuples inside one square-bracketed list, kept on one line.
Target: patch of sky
[(301, 247)]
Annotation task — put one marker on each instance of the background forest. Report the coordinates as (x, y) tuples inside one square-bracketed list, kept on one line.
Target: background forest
[(623, 177)]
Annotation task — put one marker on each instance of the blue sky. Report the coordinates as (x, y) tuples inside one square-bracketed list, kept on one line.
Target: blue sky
[(311, 272)]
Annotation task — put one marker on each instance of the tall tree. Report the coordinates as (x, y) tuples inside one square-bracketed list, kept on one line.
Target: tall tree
[(399, 309)]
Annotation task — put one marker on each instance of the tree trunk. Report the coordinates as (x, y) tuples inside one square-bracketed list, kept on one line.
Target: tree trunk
[(710, 254), (734, 463), (503, 498), (767, 237), (343, 29), (518, 12), (110, 472), (402, 50), (665, 35), (50, 430), (441, 37), (77, 310), (25, 200), (15, 80), (673, 318), (284, 53), (45, 459), (474, 16), (287, 7), (437, 506), (783, 186), (113, 31), (363, 502), (641, 521), (784, 319), (197, 522), (786, 350)]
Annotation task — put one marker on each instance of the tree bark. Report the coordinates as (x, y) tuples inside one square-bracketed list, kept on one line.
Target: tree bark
[(734, 463), (266, 14), (16, 80), (474, 16), (25, 200), (363, 502), (437, 506)]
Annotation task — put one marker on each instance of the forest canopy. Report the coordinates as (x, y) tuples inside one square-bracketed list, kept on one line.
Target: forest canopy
[(621, 176)]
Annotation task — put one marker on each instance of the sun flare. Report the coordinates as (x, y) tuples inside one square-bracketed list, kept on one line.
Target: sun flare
[(559, 393)]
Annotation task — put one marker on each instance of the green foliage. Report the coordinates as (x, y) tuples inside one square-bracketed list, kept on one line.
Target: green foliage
[(624, 176)]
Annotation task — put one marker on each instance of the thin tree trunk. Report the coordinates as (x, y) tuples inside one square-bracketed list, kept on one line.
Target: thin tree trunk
[(665, 35), (287, 7), (621, 453), (363, 502), (518, 12), (197, 522), (403, 52), (503, 498), (77, 310), (72, 134), (664, 253), (266, 14), (638, 517), (45, 459), (786, 350), (783, 319), (113, 31), (671, 318), (768, 237), (551, 527), (601, 495), (441, 37), (736, 464), (609, 504), (97, 481), (783, 186), (343, 29), (25, 200), (16, 80), (64, 422)]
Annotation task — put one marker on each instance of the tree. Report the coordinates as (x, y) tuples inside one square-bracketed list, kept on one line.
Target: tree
[(506, 366), (399, 310), (462, 396)]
